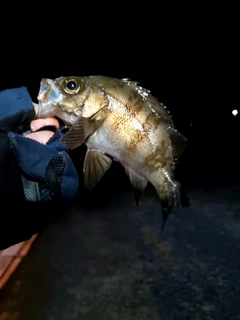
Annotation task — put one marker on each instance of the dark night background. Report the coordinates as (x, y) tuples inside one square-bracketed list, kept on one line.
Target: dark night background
[(188, 55)]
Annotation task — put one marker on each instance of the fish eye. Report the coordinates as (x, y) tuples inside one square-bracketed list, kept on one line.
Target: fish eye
[(72, 85)]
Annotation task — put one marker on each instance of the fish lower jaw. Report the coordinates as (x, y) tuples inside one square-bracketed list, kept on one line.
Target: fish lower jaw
[(69, 118)]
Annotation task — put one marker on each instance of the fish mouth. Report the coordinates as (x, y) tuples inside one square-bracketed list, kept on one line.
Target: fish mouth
[(68, 118), (44, 111)]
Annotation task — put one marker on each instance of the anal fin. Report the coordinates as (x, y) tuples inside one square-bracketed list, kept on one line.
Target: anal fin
[(138, 183), (95, 166)]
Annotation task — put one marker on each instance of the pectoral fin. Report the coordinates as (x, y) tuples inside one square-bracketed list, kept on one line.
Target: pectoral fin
[(79, 132), (95, 166), (138, 183)]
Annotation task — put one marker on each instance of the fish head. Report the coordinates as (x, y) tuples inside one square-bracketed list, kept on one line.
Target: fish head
[(62, 97)]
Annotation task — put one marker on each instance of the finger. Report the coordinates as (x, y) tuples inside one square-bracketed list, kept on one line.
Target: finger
[(39, 123), (41, 136)]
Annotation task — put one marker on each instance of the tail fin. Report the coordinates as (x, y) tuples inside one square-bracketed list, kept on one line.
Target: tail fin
[(171, 199)]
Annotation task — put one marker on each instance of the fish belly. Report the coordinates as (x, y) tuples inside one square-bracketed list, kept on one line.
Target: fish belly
[(123, 137)]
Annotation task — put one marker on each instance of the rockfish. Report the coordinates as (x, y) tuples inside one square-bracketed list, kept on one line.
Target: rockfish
[(118, 120)]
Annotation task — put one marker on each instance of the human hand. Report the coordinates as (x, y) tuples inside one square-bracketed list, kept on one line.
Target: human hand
[(38, 157), (42, 136)]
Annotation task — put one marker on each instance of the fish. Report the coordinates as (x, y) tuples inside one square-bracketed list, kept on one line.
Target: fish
[(118, 120)]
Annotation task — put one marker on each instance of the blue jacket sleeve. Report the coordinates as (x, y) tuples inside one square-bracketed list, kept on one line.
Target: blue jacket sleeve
[(22, 159), (16, 110)]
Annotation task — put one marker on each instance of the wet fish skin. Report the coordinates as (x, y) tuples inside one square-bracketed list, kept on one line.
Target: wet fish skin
[(117, 119)]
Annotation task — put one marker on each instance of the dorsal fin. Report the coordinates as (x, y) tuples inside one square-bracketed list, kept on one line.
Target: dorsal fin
[(178, 142), (155, 104)]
